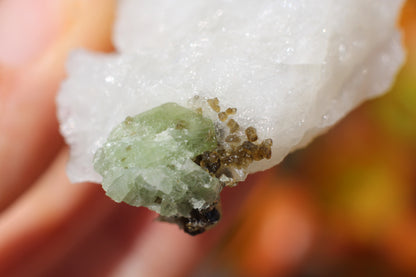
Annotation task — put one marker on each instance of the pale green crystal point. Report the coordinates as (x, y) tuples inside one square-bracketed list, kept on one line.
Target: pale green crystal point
[(147, 161)]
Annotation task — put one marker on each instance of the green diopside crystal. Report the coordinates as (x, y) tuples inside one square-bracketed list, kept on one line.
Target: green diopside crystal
[(147, 161)]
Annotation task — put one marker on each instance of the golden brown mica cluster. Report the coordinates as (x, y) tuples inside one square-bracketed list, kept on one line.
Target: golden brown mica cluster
[(237, 152)]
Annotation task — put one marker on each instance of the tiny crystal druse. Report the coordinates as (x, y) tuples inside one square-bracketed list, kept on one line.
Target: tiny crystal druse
[(283, 72)]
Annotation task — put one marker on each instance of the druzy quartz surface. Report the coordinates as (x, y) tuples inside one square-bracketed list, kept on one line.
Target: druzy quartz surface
[(147, 161)]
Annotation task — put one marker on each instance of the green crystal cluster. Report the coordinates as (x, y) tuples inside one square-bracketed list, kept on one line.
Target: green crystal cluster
[(147, 161)]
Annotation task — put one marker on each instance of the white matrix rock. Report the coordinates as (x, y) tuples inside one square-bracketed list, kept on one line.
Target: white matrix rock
[(292, 68)]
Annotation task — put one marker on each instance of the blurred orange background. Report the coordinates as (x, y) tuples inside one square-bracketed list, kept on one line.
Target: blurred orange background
[(343, 206)]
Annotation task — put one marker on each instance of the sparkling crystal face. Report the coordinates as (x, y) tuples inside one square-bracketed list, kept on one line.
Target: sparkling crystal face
[(148, 161)]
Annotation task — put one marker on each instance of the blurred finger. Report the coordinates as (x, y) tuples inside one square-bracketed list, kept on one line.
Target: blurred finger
[(28, 126), (53, 219)]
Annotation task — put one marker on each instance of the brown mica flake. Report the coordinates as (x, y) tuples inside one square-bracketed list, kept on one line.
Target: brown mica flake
[(181, 124), (214, 104), (209, 160), (198, 110), (265, 148), (128, 120), (236, 153), (241, 156), (233, 125), (231, 111), (158, 200), (222, 116), (251, 134)]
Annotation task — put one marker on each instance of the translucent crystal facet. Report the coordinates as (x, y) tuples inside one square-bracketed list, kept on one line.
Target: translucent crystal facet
[(147, 161)]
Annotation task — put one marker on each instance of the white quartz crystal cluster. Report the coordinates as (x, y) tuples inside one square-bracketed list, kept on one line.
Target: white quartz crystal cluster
[(292, 68)]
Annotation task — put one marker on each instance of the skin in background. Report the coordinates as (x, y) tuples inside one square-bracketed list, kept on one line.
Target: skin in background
[(49, 227)]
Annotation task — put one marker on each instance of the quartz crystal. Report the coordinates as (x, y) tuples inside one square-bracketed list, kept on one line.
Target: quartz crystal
[(291, 69), (147, 161)]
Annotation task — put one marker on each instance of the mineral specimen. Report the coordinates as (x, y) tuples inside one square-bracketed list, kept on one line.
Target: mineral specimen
[(147, 161), (291, 69)]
